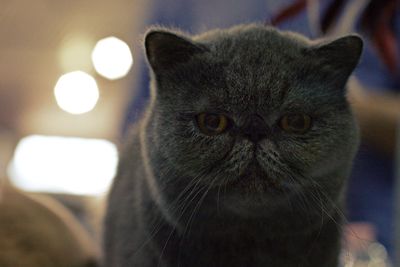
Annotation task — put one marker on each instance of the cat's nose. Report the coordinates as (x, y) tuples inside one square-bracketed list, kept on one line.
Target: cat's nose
[(255, 128)]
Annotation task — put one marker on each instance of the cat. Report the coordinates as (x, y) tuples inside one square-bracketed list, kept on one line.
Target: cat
[(242, 157)]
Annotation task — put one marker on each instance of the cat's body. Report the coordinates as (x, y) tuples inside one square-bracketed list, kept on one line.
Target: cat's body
[(217, 174)]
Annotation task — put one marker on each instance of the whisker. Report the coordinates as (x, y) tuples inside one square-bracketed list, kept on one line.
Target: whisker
[(188, 225), (172, 208), (338, 210), (174, 227)]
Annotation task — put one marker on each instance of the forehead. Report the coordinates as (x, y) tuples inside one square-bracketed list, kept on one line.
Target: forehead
[(248, 71)]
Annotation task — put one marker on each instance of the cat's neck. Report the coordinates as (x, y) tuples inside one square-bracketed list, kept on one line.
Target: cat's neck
[(234, 245)]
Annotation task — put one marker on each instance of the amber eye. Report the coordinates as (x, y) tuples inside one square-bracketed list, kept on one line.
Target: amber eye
[(295, 123), (212, 123)]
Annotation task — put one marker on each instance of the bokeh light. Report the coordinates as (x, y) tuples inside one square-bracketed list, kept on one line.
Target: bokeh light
[(112, 58), (76, 92), (63, 165)]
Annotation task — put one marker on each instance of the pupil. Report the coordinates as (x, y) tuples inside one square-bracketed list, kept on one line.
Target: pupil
[(296, 121), (212, 122)]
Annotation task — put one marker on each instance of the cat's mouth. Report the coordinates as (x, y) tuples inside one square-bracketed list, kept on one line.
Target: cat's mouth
[(255, 179), (255, 190)]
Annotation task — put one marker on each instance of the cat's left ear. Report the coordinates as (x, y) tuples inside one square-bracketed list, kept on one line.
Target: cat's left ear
[(165, 50), (337, 60)]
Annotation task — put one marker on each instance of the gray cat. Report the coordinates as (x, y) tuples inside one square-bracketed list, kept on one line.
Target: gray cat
[(243, 154)]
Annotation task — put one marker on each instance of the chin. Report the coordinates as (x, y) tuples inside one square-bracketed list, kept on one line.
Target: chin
[(255, 196), (254, 206)]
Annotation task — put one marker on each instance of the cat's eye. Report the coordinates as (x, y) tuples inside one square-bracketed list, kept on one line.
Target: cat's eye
[(295, 123), (212, 123)]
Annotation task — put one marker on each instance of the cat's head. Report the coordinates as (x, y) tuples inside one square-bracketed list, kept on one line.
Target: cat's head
[(254, 110)]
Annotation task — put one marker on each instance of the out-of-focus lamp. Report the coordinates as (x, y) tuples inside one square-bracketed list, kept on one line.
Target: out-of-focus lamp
[(63, 165), (112, 58), (76, 92)]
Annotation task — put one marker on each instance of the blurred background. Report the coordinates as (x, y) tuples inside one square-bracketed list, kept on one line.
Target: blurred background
[(66, 71), (65, 76), (73, 79)]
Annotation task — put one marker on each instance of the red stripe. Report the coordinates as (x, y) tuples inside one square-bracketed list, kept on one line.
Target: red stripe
[(385, 39)]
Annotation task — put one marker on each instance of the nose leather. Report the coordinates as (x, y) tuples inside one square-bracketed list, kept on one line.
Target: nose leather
[(255, 128)]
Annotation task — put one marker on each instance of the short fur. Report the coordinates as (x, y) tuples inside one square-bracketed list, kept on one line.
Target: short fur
[(254, 195)]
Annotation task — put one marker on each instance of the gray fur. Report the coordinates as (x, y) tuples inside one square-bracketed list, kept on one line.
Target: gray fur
[(180, 198)]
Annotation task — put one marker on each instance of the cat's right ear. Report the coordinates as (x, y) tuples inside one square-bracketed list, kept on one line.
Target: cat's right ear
[(166, 50), (336, 60)]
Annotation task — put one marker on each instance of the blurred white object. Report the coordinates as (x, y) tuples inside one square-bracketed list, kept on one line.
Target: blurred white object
[(112, 58), (63, 165), (76, 92), (373, 255)]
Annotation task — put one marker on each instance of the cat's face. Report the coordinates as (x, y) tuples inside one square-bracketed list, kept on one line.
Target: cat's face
[(254, 111)]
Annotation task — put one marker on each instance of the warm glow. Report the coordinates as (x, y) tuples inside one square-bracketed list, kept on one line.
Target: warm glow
[(112, 58), (64, 165), (76, 92), (74, 53)]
